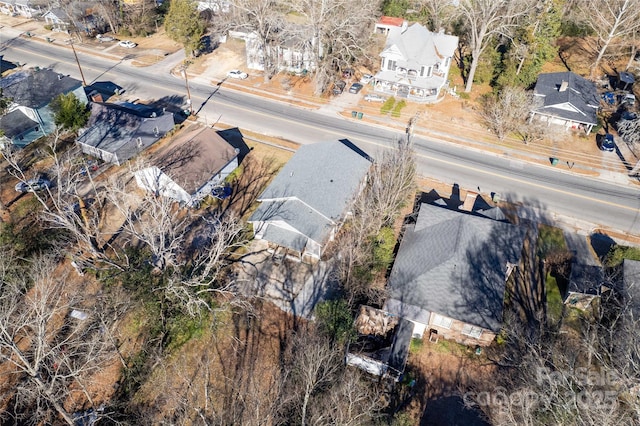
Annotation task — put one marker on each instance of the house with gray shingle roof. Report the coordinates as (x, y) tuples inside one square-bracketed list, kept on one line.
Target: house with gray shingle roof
[(306, 203), (31, 91), (566, 99), (118, 132), (415, 63), (450, 273)]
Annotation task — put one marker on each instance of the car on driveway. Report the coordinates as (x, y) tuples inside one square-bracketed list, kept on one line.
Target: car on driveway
[(104, 38), (372, 97), (33, 185), (338, 87), (127, 43), (366, 79), (355, 88), (237, 74), (605, 142)]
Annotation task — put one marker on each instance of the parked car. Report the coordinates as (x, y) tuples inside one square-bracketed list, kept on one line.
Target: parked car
[(605, 142), (104, 38), (355, 88), (366, 79), (348, 73), (237, 74), (33, 185), (222, 192), (372, 97), (338, 87), (127, 43)]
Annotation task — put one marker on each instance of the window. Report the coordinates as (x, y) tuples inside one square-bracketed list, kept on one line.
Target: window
[(391, 65), (447, 61), (441, 321), (422, 71), (471, 331), (429, 71)]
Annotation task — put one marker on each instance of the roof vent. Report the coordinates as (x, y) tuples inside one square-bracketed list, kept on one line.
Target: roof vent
[(156, 131), (564, 85), (139, 142), (60, 76)]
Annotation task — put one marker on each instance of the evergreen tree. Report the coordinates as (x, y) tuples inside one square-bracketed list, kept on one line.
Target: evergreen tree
[(70, 112), (184, 25), (532, 46)]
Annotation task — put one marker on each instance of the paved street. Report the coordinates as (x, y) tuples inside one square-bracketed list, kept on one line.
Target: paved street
[(583, 202)]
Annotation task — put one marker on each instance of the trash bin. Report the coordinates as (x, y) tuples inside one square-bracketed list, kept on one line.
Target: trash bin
[(360, 116), (554, 161), (50, 40), (354, 114)]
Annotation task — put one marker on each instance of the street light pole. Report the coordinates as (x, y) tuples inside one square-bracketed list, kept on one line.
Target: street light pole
[(186, 80), (84, 83)]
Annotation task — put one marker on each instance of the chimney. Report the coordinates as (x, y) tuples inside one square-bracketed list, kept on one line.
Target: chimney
[(564, 86)]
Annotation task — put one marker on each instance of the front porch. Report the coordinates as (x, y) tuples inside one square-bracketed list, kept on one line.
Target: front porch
[(406, 91)]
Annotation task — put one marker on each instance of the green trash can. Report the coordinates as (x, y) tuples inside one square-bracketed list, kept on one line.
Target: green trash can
[(354, 114), (554, 161), (360, 116)]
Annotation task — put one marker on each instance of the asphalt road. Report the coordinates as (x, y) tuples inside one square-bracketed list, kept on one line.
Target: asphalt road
[(576, 200)]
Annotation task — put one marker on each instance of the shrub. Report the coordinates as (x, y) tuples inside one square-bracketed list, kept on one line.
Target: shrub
[(618, 253), (383, 247), (335, 320), (48, 27), (397, 109), (387, 105)]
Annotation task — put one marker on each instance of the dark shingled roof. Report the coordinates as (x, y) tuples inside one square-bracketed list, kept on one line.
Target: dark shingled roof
[(631, 276), (586, 279), (16, 123), (578, 103), (36, 89), (454, 264), (118, 130)]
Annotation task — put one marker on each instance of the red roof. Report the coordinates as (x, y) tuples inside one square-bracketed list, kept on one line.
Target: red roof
[(391, 21)]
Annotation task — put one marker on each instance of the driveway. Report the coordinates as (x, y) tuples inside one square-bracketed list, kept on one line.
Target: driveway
[(291, 285)]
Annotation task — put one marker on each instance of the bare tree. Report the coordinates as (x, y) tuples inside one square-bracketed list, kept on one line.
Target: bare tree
[(266, 19), (53, 356), (484, 20), (339, 30), (439, 13), (507, 111), (630, 130), (610, 20)]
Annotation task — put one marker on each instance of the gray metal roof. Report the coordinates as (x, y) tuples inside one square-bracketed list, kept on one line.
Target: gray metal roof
[(116, 130), (454, 264), (579, 102), (36, 89), (315, 188)]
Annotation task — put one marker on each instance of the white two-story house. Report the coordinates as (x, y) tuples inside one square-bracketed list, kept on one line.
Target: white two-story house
[(415, 63)]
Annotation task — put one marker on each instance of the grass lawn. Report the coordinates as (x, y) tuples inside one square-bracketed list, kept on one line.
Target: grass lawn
[(554, 300)]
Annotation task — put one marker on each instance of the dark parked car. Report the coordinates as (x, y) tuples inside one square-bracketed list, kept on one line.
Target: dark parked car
[(605, 142), (33, 185), (338, 87), (355, 88)]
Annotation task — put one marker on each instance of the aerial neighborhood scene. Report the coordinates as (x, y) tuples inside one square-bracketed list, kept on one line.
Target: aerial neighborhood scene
[(320, 212)]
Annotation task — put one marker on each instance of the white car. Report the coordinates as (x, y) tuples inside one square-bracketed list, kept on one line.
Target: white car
[(128, 44), (237, 74), (104, 38), (366, 79)]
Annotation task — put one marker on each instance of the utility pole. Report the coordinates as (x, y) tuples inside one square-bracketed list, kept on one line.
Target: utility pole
[(84, 83), (186, 80)]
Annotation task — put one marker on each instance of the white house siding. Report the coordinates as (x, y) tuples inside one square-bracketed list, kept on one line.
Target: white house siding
[(153, 180)]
